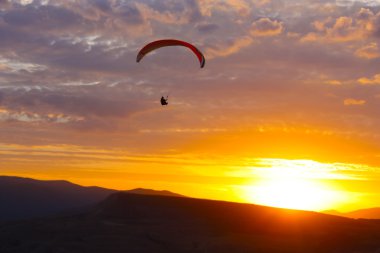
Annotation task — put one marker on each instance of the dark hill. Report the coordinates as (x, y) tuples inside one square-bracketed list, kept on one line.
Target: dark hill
[(369, 213), (144, 191), (131, 223), (22, 198)]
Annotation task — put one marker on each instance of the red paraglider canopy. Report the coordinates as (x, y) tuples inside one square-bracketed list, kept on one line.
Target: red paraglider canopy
[(170, 42)]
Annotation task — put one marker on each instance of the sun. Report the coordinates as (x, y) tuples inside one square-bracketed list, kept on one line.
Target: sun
[(294, 184), (290, 193)]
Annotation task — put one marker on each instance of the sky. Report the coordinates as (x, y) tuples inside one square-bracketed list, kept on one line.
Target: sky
[(289, 97)]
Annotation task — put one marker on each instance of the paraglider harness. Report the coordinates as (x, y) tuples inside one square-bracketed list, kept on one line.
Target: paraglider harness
[(164, 101)]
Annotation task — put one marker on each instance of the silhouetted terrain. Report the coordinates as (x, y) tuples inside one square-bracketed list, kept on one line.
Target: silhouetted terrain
[(154, 192), (126, 222), (369, 213), (22, 198)]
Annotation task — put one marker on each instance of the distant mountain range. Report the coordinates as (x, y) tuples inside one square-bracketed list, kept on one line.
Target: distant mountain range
[(144, 191), (23, 198), (369, 213), (58, 216), (136, 223)]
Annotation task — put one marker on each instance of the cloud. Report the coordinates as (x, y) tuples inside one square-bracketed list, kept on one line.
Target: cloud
[(207, 28), (333, 82), (376, 26), (74, 104), (261, 3), (4, 4), (78, 107), (342, 29), (370, 51), (29, 117), (211, 7), (10, 65), (350, 3), (231, 48), (352, 101), (43, 18), (183, 130), (370, 81), (165, 15), (266, 27)]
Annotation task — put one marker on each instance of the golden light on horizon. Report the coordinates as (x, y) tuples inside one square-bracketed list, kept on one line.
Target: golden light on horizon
[(294, 184)]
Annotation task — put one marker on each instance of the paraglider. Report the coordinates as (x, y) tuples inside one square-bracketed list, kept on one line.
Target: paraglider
[(170, 42), (164, 101)]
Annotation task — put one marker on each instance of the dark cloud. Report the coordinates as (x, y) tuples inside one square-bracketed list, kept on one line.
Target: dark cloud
[(377, 26), (78, 104), (11, 38), (173, 6), (130, 14), (195, 14), (364, 14), (207, 28), (41, 18), (103, 5), (4, 4), (188, 9)]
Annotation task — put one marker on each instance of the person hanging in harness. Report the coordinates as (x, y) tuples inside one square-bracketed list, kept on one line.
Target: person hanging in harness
[(164, 101)]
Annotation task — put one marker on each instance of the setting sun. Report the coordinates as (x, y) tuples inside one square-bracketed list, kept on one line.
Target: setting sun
[(294, 184)]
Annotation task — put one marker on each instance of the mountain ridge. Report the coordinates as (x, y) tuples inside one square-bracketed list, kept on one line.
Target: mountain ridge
[(50, 197), (138, 223), (24, 198), (365, 213)]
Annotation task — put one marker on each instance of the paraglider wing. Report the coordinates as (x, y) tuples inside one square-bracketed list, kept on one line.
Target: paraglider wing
[(170, 42)]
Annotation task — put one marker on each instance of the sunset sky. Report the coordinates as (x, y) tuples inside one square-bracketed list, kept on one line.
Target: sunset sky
[(284, 113)]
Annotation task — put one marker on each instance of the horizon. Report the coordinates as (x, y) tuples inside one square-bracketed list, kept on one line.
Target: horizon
[(284, 112), (147, 189), (189, 196)]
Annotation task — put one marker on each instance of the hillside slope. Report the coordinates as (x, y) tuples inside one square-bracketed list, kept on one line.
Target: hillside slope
[(127, 222)]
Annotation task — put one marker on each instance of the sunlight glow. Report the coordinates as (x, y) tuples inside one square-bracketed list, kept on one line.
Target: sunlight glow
[(295, 184)]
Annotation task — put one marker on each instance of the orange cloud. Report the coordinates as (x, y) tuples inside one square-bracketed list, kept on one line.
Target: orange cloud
[(373, 81), (310, 37), (333, 82), (261, 3), (343, 29), (223, 51), (207, 7), (24, 116), (370, 51), (266, 27), (164, 17), (352, 101)]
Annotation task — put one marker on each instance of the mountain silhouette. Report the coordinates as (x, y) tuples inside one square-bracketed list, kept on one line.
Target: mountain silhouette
[(126, 222), (144, 191), (22, 198), (368, 213)]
